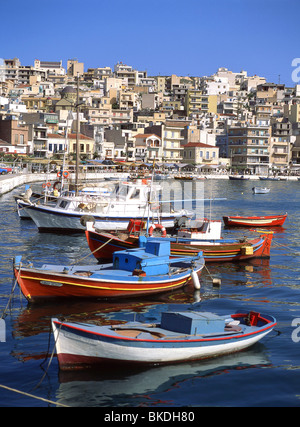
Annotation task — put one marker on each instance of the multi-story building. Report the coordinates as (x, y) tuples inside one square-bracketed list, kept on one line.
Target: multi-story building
[(86, 145), (10, 69), (249, 147), (281, 143), (199, 153), (171, 139), (263, 113), (214, 85), (14, 134), (40, 140), (148, 147), (127, 72), (195, 102), (13, 131), (293, 112), (161, 84), (128, 100), (98, 73), (74, 68), (50, 67), (56, 144), (38, 103)]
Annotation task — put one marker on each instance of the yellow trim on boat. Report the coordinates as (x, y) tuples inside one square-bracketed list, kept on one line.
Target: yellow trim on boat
[(104, 287)]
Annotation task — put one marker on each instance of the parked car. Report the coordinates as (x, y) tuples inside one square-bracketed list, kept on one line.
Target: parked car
[(4, 169)]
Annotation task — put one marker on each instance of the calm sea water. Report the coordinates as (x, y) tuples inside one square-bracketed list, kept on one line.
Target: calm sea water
[(268, 374)]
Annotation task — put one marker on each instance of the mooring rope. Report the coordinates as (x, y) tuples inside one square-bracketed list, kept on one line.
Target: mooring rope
[(284, 247), (11, 294), (51, 357), (91, 253), (32, 396)]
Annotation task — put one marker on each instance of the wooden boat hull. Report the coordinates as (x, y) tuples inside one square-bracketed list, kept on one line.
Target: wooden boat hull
[(38, 284), (261, 190), (81, 345), (239, 178), (255, 221), (104, 245)]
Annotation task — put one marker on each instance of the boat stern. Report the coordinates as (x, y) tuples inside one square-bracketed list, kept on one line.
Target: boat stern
[(268, 236)]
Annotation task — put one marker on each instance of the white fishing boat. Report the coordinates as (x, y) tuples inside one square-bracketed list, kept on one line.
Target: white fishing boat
[(137, 200), (260, 190), (48, 197), (180, 336)]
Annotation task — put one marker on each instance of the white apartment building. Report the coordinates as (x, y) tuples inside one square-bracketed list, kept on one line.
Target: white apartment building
[(214, 85)]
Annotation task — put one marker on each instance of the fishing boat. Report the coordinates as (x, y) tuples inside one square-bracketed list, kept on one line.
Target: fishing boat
[(48, 197), (103, 245), (148, 269), (260, 190), (179, 336), (269, 178), (255, 221), (128, 200), (239, 177)]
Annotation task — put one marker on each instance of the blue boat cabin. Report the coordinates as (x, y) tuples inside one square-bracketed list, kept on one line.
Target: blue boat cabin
[(151, 257), (192, 323)]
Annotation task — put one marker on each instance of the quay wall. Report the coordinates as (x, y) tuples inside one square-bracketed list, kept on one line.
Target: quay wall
[(11, 181)]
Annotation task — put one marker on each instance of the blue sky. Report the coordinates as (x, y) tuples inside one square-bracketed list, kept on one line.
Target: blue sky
[(164, 37)]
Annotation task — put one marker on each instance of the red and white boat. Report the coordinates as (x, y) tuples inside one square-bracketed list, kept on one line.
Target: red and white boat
[(179, 336), (103, 245), (255, 221)]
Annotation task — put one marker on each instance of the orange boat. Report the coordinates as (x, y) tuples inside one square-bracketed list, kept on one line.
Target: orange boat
[(146, 270), (255, 221), (103, 245)]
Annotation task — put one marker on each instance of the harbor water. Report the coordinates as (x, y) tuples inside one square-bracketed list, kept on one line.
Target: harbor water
[(267, 374)]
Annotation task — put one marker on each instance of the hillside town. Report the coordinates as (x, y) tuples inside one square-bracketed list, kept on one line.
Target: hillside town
[(225, 121)]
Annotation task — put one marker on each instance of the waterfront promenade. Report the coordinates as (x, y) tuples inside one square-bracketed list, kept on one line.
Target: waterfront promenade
[(11, 181)]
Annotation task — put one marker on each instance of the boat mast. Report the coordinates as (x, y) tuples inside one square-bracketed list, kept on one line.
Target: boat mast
[(77, 139)]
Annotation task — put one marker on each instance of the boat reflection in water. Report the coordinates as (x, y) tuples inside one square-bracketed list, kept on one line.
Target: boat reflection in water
[(142, 386)]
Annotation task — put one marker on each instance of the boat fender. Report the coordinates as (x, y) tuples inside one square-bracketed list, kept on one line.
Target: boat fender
[(159, 227), (86, 218), (195, 280), (217, 282)]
